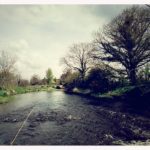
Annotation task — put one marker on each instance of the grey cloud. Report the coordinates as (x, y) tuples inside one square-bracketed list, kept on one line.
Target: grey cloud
[(39, 35)]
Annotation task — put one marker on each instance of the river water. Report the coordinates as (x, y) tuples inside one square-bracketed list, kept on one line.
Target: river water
[(57, 118)]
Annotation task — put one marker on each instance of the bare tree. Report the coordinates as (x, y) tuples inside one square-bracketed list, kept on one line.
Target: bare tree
[(22, 82), (7, 77), (126, 40), (79, 58), (148, 5), (35, 80)]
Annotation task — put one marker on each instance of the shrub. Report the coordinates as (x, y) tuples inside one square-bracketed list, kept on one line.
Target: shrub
[(70, 80), (98, 80)]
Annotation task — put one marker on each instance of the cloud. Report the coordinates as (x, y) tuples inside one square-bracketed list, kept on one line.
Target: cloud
[(39, 35)]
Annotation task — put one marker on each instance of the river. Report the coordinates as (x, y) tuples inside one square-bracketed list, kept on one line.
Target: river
[(57, 118)]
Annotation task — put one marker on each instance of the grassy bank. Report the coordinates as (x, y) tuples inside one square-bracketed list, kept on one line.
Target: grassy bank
[(130, 99), (5, 94), (114, 93), (119, 93), (21, 90), (109, 94)]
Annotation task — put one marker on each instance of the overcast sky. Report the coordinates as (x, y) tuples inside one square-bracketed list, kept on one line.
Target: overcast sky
[(39, 35)]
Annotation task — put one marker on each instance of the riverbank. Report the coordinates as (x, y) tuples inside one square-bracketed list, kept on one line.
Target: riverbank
[(4, 94), (131, 99), (68, 119)]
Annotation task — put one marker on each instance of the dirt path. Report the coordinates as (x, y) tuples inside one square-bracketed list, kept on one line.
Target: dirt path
[(61, 119)]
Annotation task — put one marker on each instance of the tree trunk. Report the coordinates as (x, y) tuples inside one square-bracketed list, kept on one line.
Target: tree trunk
[(132, 76), (82, 79)]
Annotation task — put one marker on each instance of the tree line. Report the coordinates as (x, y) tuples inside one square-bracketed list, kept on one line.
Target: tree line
[(118, 55), (9, 78)]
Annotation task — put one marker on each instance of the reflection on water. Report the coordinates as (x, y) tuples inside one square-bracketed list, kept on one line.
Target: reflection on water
[(57, 119), (40, 100), (53, 99)]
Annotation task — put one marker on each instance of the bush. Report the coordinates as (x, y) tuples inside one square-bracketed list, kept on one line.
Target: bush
[(20, 90), (70, 80), (35, 80), (99, 80), (120, 91), (2, 93), (23, 82)]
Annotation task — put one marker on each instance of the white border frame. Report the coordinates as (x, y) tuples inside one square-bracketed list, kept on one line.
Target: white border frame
[(68, 2), (74, 2)]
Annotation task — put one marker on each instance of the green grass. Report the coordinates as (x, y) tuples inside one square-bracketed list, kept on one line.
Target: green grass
[(20, 90), (4, 99), (117, 92), (114, 93), (4, 94)]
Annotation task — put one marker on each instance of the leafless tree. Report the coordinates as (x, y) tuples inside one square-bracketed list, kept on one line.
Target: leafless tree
[(79, 58), (7, 63), (35, 80), (23, 82), (126, 40), (148, 5)]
